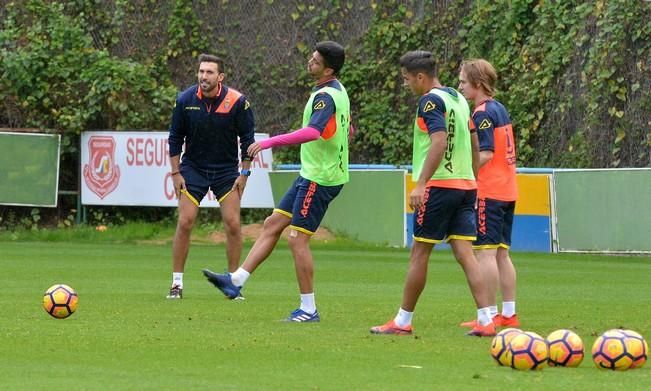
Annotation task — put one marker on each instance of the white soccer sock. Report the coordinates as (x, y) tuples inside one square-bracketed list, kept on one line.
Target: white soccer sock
[(508, 309), (307, 303), (484, 316), (239, 276), (403, 319), (177, 279), (493, 309)]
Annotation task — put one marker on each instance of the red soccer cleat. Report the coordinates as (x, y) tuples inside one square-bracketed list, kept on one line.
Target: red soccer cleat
[(470, 324), (391, 327), (483, 331), (502, 321)]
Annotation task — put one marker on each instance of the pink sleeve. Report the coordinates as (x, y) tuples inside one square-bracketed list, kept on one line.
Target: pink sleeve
[(297, 137)]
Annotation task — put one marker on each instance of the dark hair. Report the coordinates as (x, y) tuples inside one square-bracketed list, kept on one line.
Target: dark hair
[(417, 61), (203, 57), (333, 54)]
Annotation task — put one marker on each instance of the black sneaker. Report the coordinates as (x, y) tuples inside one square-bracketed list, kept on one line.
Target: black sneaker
[(176, 292)]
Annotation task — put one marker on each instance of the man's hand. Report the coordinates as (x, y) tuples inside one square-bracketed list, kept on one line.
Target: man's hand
[(179, 184), (417, 197), (253, 149), (240, 183)]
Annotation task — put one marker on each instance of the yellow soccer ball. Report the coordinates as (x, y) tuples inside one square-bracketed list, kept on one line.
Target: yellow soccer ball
[(565, 349), (60, 301), (499, 346), (526, 351)]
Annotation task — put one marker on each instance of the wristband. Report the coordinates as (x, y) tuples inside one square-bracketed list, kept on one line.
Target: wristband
[(175, 172), (245, 172)]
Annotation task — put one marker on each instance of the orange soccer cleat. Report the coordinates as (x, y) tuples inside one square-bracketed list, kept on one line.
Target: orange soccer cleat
[(391, 327), (502, 321), (483, 331)]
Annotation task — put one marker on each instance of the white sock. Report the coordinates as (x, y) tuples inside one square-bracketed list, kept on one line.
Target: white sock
[(508, 309), (239, 276), (493, 309), (403, 319), (177, 279), (484, 316), (307, 303)]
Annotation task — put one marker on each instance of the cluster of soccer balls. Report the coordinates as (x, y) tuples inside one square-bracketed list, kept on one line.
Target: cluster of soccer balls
[(615, 349), (60, 301)]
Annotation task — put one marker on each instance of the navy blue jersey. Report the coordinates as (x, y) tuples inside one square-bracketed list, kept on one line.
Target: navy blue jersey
[(431, 111), (209, 127), (488, 116), (323, 107)]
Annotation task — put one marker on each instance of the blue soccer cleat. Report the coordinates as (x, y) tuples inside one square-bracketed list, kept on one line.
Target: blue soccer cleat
[(301, 316), (224, 283)]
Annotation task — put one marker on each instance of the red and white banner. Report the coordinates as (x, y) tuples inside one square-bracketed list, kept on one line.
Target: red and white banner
[(133, 168)]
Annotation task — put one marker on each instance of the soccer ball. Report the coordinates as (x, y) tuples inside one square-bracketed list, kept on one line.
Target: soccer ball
[(527, 350), (610, 351), (60, 301), (500, 344), (565, 349), (637, 347)]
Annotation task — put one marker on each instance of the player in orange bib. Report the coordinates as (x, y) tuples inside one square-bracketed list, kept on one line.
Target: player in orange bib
[(496, 187)]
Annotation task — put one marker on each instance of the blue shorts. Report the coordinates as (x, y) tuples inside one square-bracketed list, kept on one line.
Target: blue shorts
[(306, 203), (198, 181), (494, 224), (446, 214)]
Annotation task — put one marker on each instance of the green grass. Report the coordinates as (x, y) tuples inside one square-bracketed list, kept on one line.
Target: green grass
[(125, 335)]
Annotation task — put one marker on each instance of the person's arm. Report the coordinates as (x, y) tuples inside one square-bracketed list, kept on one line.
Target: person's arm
[(321, 121), (175, 141), (245, 123), (431, 119), (485, 157), (485, 134), (439, 141), (474, 144)]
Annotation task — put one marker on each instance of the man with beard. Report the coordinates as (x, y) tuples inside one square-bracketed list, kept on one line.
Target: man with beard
[(208, 118)]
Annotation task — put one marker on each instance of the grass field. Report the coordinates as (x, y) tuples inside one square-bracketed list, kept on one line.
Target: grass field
[(126, 335)]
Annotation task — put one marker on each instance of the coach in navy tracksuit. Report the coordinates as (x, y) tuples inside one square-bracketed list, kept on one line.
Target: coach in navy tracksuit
[(209, 118)]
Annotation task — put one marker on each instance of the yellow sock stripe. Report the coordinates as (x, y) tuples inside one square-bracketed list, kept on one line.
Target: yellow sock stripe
[(283, 212), (299, 229), (187, 194)]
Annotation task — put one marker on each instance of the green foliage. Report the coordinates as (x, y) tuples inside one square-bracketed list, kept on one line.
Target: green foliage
[(383, 110), (564, 77), (57, 79), (573, 74)]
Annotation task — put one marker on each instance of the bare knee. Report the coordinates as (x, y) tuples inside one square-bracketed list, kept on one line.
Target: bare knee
[(232, 226), (297, 240), (185, 223), (274, 225)]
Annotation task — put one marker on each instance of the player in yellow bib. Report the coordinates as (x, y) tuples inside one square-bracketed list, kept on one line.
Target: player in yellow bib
[(324, 171), (444, 165)]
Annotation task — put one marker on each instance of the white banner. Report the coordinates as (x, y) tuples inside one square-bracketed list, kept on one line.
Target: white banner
[(132, 168)]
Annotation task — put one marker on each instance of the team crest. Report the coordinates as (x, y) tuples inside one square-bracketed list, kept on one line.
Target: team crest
[(429, 106), (319, 105), (485, 124), (101, 174)]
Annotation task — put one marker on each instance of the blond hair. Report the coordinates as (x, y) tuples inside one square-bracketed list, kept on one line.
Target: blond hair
[(481, 74)]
